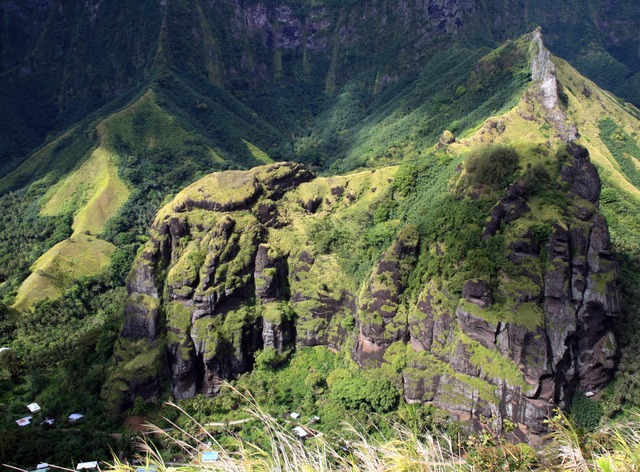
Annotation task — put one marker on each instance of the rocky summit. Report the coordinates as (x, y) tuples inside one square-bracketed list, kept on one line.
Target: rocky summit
[(208, 256)]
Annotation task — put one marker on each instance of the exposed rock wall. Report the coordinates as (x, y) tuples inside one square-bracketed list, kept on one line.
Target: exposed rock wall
[(286, 38), (543, 74), (242, 261)]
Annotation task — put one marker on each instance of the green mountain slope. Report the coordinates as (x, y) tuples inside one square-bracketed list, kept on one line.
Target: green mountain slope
[(179, 130), (477, 276), (62, 60), (453, 192)]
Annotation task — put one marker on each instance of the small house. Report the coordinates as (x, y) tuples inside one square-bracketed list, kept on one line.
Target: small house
[(42, 465), (294, 415), (49, 421), (87, 465), (34, 407), (210, 456), (73, 417), (300, 432), (24, 421)]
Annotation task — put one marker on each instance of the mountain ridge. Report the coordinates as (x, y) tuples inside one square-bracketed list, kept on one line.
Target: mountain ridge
[(264, 43), (471, 349), (409, 261)]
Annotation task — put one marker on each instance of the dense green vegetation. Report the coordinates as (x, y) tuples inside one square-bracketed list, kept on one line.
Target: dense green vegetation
[(493, 167), (199, 98), (623, 147), (20, 221), (421, 197), (325, 389), (59, 358), (621, 212), (80, 67), (61, 64), (273, 445), (456, 91)]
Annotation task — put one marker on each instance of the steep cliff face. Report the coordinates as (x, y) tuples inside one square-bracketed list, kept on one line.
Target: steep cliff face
[(274, 257), (551, 333), (329, 42), (223, 280)]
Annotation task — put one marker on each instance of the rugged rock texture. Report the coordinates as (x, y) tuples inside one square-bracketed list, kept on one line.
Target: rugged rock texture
[(381, 318), (509, 208), (556, 337), (206, 247), (228, 284), (543, 73)]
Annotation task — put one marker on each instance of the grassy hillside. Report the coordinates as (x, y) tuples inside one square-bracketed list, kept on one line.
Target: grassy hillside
[(61, 266), (94, 193), (124, 163), (334, 232), (111, 174), (279, 58)]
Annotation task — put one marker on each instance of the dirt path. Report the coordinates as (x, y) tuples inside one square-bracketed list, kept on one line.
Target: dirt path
[(230, 423)]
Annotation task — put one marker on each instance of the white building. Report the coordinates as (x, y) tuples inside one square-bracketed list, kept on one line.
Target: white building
[(300, 432), (87, 465), (26, 421)]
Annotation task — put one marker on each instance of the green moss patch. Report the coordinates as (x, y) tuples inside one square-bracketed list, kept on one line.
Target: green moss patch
[(493, 365)]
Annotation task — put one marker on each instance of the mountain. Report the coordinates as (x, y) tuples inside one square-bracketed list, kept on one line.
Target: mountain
[(489, 291), (62, 60), (421, 191)]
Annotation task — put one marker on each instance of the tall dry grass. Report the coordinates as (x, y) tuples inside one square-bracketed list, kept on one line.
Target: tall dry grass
[(287, 453), (612, 448)]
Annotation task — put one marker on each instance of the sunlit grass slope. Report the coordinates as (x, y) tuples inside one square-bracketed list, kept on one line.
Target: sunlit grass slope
[(94, 193), (258, 153), (81, 255), (609, 129)]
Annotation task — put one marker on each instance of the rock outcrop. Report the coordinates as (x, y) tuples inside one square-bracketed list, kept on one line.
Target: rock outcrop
[(381, 318), (556, 337), (545, 88), (225, 282), (248, 260)]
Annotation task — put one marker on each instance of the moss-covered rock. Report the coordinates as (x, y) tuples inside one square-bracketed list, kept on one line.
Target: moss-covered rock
[(515, 317), (382, 319)]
